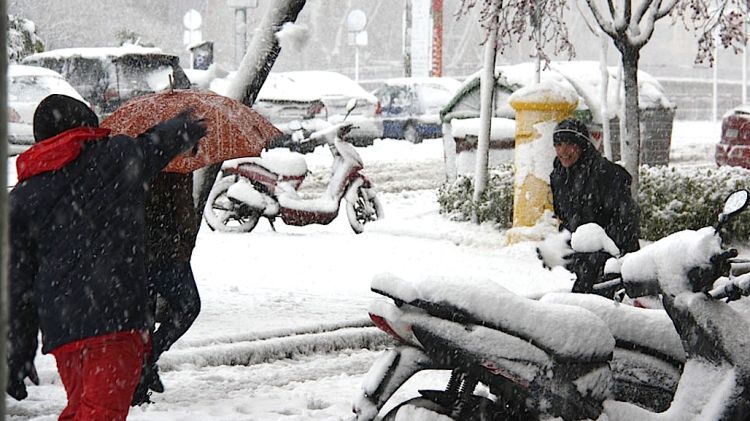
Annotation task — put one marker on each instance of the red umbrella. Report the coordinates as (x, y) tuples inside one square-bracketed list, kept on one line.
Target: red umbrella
[(234, 129)]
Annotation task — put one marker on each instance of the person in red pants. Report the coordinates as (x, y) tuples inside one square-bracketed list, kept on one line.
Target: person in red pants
[(77, 267)]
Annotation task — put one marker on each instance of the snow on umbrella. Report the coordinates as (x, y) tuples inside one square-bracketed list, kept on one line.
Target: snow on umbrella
[(234, 129)]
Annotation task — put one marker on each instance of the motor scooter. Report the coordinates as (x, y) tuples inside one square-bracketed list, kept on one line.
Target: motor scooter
[(267, 186), (548, 358)]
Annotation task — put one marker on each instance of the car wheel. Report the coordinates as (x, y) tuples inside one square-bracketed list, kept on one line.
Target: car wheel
[(411, 134)]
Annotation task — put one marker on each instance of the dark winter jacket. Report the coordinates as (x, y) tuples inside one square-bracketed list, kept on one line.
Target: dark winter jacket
[(77, 239), (171, 218), (595, 190)]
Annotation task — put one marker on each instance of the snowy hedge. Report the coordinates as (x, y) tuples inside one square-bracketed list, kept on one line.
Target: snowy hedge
[(671, 199), (22, 39)]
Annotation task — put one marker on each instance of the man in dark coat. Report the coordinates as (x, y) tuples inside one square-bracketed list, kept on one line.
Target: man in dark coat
[(171, 229), (588, 188), (77, 269)]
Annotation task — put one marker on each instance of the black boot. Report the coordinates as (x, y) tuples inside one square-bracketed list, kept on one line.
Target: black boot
[(153, 380)]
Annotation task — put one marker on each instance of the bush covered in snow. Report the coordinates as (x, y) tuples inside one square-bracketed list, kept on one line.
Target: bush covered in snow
[(496, 205), (22, 39), (671, 199)]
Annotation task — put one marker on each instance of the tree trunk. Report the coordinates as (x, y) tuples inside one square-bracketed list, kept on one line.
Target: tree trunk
[(487, 89), (4, 247), (252, 73), (604, 91), (632, 137)]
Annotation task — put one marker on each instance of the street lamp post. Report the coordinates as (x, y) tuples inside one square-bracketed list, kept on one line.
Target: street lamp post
[(356, 21)]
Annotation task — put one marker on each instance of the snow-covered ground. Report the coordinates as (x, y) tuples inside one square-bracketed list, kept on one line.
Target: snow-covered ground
[(280, 335)]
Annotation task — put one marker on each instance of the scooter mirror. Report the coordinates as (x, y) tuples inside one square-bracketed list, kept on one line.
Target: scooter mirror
[(294, 125), (734, 203), (351, 105)]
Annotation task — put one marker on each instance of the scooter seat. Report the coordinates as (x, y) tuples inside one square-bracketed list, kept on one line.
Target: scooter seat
[(277, 161), (650, 331), (565, 332)]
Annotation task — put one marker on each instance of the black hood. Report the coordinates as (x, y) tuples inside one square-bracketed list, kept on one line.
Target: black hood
[(59, 113)]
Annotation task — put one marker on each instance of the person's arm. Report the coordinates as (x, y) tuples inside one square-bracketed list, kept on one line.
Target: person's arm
[(24, 320), (164, 141), (624, 226)]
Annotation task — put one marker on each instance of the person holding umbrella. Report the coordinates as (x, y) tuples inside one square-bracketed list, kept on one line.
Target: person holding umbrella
[(171, 229), (77, 258)]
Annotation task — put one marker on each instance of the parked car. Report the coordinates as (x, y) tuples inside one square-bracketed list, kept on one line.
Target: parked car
[(733, 148), (27, 87), (461, 115), (108, 77), (305, 95), (410, 107)]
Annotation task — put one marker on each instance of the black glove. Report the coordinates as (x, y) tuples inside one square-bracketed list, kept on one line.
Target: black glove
[(191, 129), (16, 374)]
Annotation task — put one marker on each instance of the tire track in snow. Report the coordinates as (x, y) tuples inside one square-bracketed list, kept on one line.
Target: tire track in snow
[(276, 348)]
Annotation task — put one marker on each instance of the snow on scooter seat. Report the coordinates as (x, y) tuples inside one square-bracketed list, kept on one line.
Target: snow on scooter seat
[(280, 161), (648, 328), (564, 331), (670, 258)]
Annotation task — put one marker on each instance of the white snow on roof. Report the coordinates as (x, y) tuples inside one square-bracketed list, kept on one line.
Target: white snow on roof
[(310, 86), (17, 70), (548, 91), (97, 52), (446, 82), (585, 77)]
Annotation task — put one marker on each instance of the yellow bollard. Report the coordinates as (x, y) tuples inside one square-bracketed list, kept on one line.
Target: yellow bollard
[(538, 109)]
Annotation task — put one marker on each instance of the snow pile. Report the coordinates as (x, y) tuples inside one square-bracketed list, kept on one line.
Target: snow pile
[(591, 238), (650, 328), (536, 157), (551, 91), (555, 249), (670, 258), (293, 36)]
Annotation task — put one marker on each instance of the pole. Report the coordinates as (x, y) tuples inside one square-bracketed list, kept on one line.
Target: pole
[(437, 38), (744, 63), (407, 38), (715, 101), (537, 41), (486, 90), (4, 248), (606, 135), (240, 34), (356, 63)]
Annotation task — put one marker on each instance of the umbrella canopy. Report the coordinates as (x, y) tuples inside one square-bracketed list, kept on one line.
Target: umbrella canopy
[(234, 129)]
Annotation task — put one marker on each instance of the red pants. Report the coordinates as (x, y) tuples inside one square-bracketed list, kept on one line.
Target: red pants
[(100, 375)]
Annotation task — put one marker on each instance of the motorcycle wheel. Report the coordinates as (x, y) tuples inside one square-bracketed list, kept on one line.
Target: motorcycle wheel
[(226, 215), (365, 208), (427, 404)]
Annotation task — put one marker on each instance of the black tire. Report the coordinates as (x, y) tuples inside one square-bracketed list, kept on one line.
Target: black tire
[(224, 214), (418, 403), (365, 208), (411, 134)]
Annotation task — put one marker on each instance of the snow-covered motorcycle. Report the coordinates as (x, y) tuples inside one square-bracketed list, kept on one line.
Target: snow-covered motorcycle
[(267, 186), (547, 359)]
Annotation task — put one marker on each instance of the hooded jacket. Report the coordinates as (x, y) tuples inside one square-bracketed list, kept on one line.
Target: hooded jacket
[(77, 232), (596, 190)]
